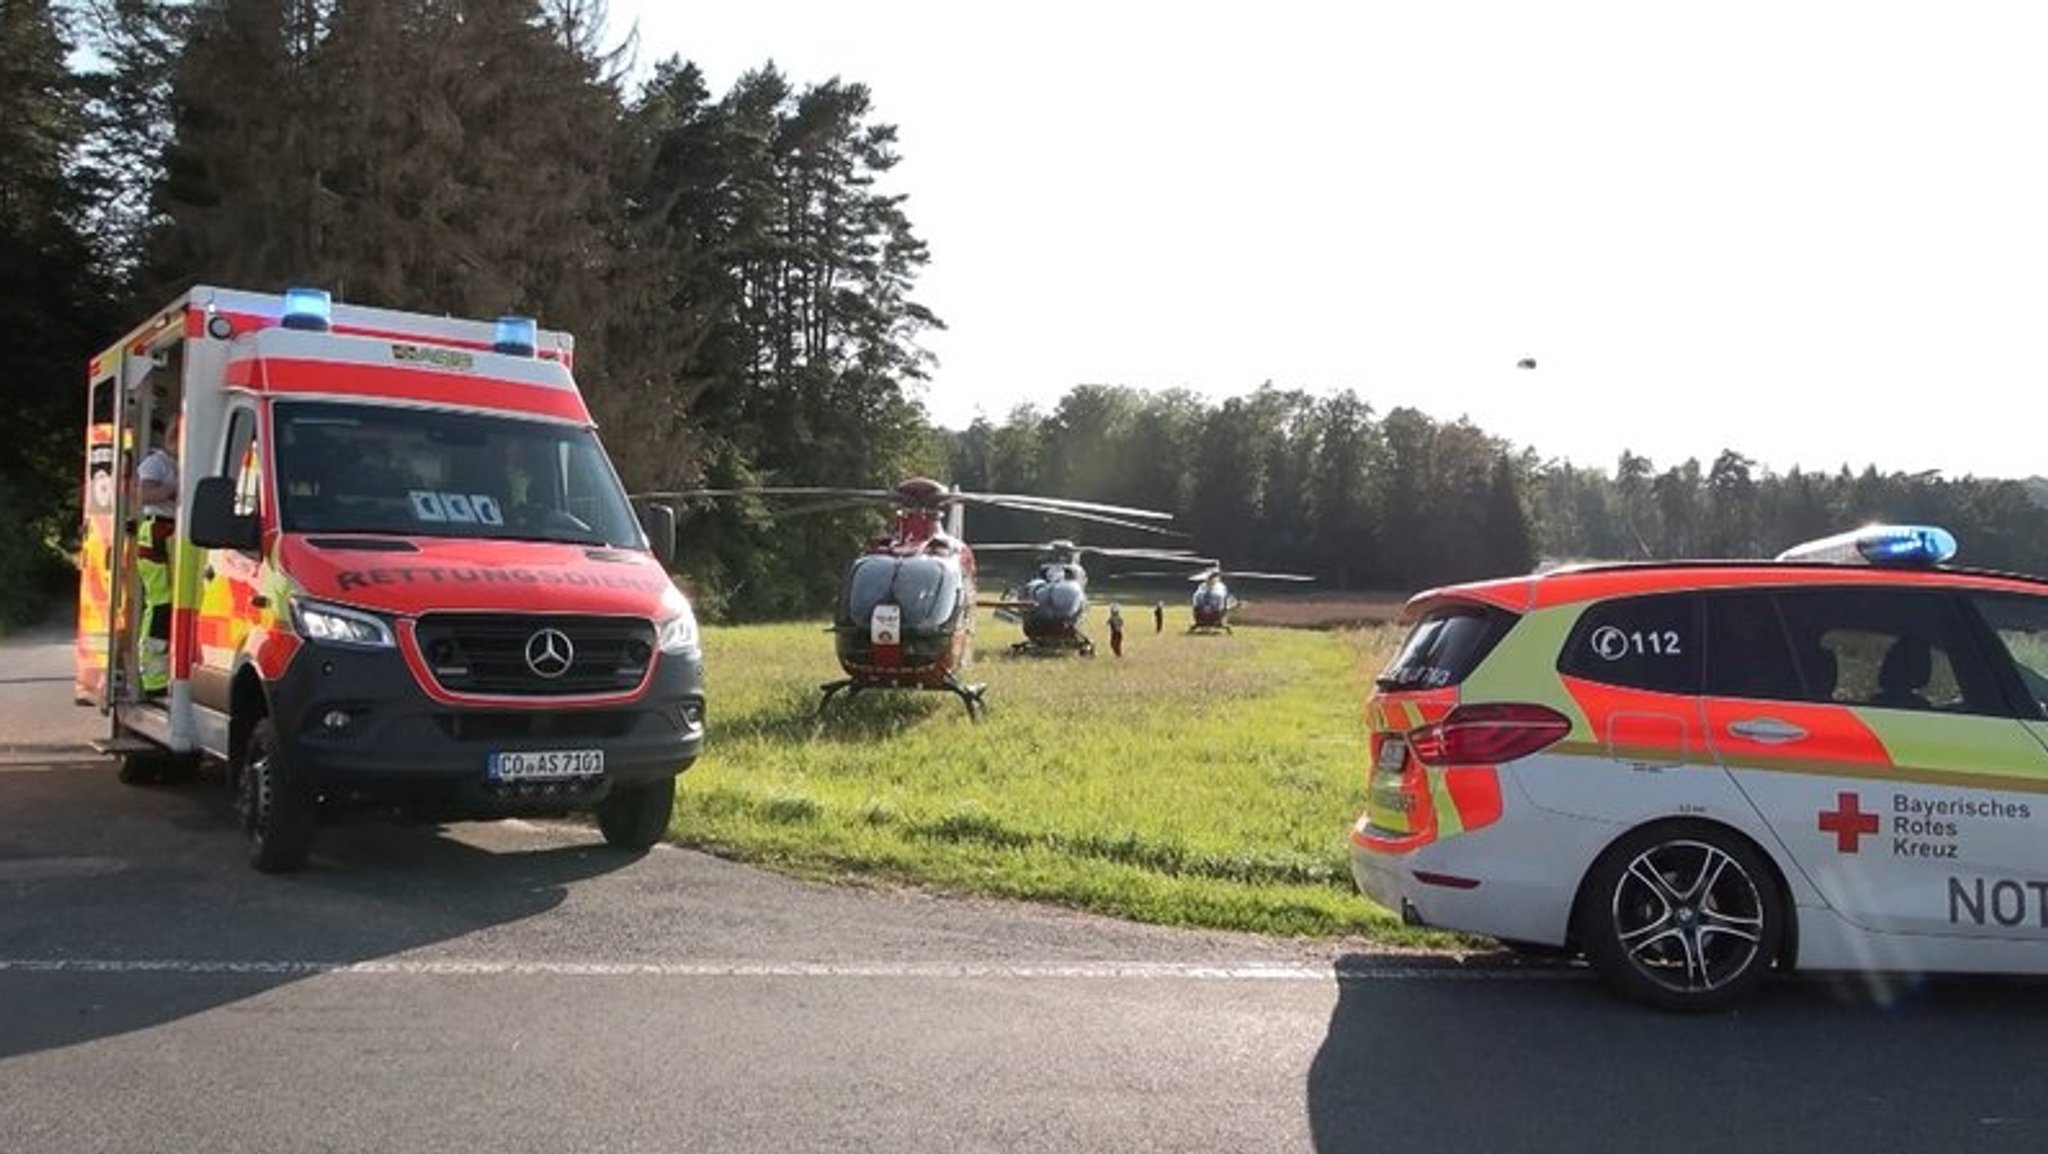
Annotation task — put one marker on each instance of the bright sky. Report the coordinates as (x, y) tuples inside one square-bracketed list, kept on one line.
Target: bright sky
[(1816, 233)]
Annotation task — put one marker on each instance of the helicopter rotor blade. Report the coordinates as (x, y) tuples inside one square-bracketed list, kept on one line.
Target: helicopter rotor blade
[(1095, 518), (839, 491), (922, 493), (1079, 551), (1034, 503), (1184, 556)]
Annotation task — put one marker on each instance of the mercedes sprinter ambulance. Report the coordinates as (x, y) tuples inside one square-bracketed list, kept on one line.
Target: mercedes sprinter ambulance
[(400, 574)]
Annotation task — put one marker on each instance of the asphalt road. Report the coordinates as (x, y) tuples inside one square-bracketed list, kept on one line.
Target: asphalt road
[(518, 987)]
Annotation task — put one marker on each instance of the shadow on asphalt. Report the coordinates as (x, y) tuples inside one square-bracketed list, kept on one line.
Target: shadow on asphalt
[(1554, 1062), (122, 908)]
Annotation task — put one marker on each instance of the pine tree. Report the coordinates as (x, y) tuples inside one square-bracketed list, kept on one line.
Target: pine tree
[(53, 294)]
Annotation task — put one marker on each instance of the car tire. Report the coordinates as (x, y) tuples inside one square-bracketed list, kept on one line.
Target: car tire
[(1682, 915), (279, 814), (636, 817)]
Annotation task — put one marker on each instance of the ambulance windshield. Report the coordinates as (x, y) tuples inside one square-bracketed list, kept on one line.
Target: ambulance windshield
[(353, 468)]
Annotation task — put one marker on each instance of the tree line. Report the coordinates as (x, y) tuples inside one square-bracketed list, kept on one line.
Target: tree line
[(1284, 480), (742, 284)]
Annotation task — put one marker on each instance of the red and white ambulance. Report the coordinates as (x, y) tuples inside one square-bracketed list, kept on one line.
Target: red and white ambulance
[(403, 574)]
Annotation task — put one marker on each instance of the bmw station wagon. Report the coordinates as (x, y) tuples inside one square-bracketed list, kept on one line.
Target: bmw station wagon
[(1696, 774)]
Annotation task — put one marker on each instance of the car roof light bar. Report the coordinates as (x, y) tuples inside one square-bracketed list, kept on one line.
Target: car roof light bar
[(1888, 545)]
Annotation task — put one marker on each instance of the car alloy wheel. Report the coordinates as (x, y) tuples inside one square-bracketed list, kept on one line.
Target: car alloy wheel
[(1683, 917)]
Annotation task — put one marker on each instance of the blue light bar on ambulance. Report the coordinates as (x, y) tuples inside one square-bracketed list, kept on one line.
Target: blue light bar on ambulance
[(1895, 545), (307, 308), (517, 336)]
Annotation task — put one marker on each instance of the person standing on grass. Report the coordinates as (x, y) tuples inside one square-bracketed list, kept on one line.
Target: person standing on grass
[(1159, 617), (1116, 629)]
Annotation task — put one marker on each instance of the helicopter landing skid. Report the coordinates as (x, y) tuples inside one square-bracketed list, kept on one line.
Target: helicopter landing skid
[(1027, 648), (969, 695)]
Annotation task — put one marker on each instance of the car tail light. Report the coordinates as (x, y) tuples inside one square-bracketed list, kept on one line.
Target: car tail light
[(1488, 734)]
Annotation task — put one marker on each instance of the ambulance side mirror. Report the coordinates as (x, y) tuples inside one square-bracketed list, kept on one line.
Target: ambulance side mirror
[(660, 523), (215, 524)]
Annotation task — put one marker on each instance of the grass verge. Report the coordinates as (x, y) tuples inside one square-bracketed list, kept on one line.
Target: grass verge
[(1198, 780)]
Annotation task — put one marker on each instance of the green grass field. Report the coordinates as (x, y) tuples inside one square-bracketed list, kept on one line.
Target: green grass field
[(1199, 780)]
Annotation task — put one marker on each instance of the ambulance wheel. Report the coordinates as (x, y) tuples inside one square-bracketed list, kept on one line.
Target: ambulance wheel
[(1683, 916), (278, 812), (635, 817)]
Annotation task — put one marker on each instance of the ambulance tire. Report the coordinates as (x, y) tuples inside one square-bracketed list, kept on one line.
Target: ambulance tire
[(279, 814), (636, 817), (1683, 915)]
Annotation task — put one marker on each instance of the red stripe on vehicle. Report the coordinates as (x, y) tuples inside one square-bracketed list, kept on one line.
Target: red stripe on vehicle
[(1475, 790), (184, 629), (336, 378)]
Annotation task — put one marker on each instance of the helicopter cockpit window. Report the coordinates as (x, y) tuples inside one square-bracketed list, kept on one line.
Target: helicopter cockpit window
[(928, 590), (1063, 599)]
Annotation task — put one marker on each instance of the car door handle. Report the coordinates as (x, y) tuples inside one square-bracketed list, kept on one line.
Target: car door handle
[(1768, 730), (206, 574)]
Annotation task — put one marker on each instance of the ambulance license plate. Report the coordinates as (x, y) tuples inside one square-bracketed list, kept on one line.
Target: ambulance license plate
[(541, 765)]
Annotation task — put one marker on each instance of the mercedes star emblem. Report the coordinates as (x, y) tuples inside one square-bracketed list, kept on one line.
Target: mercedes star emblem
[(549, 652)]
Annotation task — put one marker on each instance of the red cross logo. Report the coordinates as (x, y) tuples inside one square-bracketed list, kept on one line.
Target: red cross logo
[(1847, 822)]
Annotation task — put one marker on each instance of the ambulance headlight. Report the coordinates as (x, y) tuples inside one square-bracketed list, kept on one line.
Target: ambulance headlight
[(333, 625), (678, 634)]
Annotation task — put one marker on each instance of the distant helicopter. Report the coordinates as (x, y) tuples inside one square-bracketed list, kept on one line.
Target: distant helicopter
[(905, 612), (1213, 601), (1051, 603)]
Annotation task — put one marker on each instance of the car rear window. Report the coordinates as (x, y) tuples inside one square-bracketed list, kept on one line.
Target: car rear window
[(1446, 645)]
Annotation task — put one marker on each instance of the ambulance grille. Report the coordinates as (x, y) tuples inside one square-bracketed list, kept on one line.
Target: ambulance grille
[(488, 653)]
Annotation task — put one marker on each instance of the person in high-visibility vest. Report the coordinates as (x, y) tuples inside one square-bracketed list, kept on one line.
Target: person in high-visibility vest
[(156, 482)]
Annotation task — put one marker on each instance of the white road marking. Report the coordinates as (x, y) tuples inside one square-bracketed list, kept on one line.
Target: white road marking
[(37, 869), (944, 971)]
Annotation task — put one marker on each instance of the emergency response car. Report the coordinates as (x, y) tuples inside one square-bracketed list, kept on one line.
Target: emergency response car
[(402, 574), (1699, 773)]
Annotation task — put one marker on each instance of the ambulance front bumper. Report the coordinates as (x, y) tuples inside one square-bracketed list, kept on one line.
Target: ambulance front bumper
[(358, 726)]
